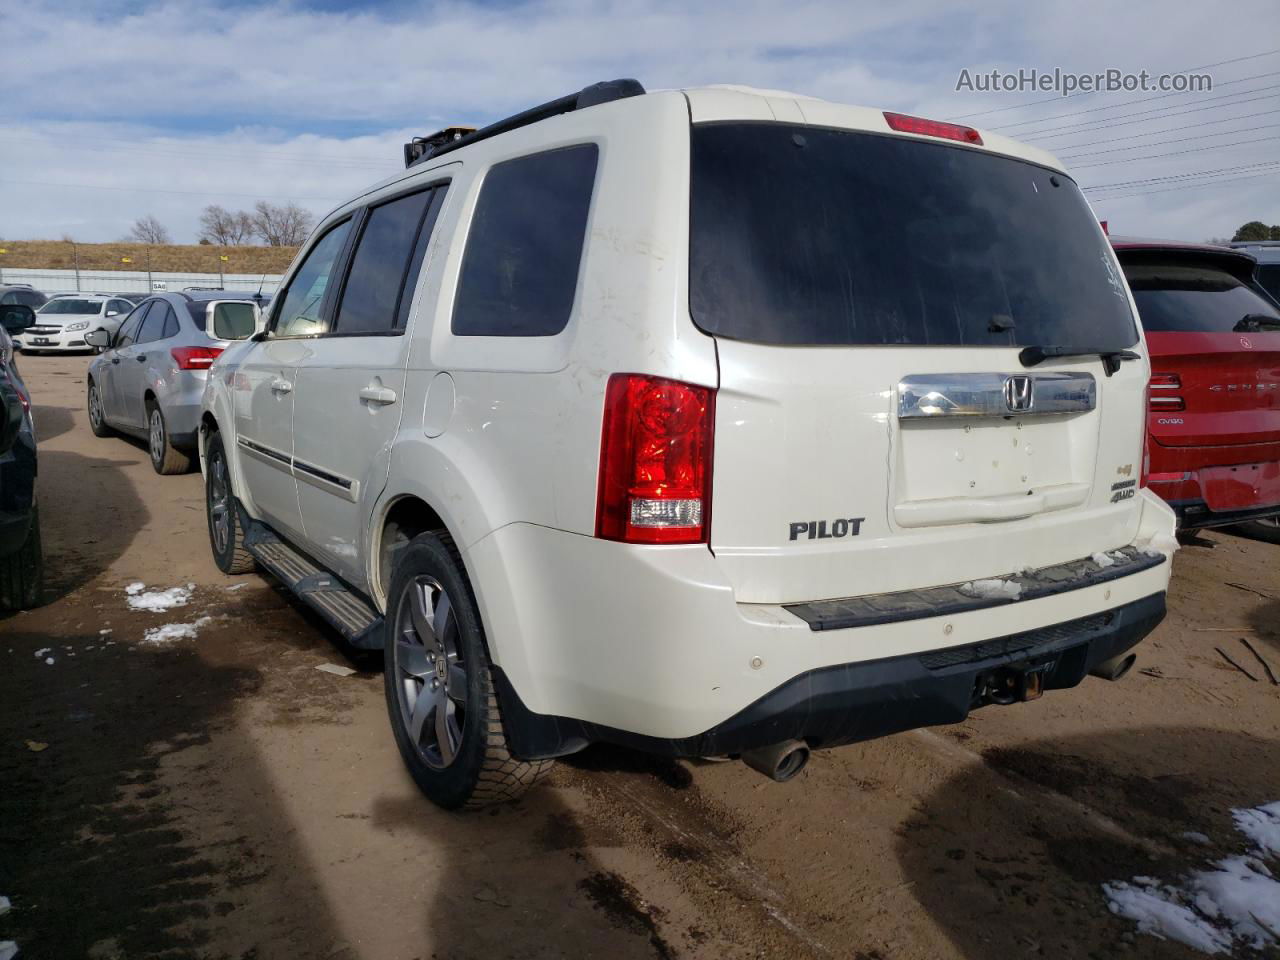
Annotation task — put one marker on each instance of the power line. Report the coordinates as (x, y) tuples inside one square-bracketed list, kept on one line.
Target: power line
[(1172, 153), (1155, 133), (192, 193), (134, 146), (1162, 143), (1183, 176), (1120, 121), (1185, 186), (1085, 93), (1129, 103)]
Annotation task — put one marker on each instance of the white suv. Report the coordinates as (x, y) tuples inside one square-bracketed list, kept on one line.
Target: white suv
[(709, 422)]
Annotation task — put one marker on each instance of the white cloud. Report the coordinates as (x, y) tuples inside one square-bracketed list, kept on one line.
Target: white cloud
[(275, 100)]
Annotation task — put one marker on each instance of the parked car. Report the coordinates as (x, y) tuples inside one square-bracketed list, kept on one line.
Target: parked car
[(708, 422), (1214, 417), (1267, 273), (21, 557), (63, 322), (150, 377), (21, 293)]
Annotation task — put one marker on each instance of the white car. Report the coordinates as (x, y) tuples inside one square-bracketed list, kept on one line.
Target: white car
[(708, 422), (62, 322)]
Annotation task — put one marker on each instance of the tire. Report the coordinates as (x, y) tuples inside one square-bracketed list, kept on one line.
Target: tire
[(476, 769), (165, 458), (22, 572), (1266, 530), (97, 418), (226, 537)]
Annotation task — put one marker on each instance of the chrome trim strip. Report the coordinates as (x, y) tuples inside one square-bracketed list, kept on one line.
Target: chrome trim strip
[(328, 482), (923, 396), (265, 454)]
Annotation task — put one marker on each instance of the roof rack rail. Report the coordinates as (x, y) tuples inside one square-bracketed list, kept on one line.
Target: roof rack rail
[(420, 148)]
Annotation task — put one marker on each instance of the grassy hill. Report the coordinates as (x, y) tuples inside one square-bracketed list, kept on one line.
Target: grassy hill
[(174, 258)]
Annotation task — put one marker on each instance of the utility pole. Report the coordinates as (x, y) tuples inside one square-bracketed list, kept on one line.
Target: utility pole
[(75, 256), (150, 285)]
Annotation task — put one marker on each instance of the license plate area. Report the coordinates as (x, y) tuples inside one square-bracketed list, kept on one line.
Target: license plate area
[(40, 341)]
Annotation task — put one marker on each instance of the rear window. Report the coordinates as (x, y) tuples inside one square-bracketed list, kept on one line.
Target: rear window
[(520, 269), (71, 305), (1193, 299), (804, 235), (1269, 277)]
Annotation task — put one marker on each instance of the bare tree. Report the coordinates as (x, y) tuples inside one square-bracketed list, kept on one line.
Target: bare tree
[(281, 226), (148, 230), (225, 227)]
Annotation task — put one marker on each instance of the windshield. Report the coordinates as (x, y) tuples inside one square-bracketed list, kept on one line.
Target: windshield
[(804, 235), (1194, 299), (71, 305)]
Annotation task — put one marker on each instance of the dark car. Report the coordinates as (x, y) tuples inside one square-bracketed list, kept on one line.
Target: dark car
[(21, 293), (21, 558)]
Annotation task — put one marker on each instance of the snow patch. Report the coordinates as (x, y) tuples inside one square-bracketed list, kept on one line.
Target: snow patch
[(135, 588), (48, 661), (173, 632), (157, 601), (1102, 560), (43, 652), (1196, 837), (4, 906), (1158, 544), (1234, 903), (992, 589)]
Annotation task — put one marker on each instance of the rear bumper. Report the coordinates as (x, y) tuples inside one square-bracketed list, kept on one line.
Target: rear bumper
[(861, 701), (1219, 495), (1196, 515)]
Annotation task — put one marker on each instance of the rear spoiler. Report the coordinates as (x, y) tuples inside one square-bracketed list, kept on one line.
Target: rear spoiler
[(1235, 262)]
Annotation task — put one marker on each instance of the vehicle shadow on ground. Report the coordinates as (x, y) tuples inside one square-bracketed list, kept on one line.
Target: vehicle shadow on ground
[(98, 513), (51, 421), (1265, 620), (99, 860), (1008, 856)]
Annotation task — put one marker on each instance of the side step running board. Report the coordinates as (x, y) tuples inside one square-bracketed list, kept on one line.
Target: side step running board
[(345, 610)]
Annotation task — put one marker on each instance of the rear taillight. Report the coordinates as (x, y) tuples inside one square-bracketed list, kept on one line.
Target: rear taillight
[(655, 461), (932, 128), (1160, 397), (195, 358)]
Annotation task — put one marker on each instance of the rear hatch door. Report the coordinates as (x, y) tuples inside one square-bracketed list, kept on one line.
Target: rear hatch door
[(876, 427)]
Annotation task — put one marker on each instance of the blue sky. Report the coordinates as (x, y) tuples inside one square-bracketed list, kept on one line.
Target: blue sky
[(120, 108)]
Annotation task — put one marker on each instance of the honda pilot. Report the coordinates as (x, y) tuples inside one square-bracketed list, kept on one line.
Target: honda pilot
[(713, 422)]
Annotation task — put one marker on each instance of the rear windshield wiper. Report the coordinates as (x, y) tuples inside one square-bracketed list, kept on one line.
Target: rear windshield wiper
[(1256, 322), (1111, 359)]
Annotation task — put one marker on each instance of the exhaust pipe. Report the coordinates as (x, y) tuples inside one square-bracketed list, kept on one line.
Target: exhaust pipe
[(781, 761), (1115, 668)]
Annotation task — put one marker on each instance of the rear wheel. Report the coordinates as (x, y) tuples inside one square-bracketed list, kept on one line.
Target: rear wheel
[(97, 417), (1268, 530), (440, 697), (226, 538), (165, 458), (22, 572)]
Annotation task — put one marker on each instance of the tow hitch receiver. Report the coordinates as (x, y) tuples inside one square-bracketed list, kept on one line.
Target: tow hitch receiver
[(1011, 684)]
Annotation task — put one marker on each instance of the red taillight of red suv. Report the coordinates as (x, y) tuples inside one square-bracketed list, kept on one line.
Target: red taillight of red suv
[(1161, 396), (195, 358), (655, 461)]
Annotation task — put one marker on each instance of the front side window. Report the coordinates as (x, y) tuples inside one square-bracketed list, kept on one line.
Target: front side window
[(1196, 298), (815, 236), (520, 269), (300, 313), (380, 267)]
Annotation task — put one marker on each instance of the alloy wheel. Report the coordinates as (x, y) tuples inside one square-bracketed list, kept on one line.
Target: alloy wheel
[(156, 435), (430, 678), (95, 408), (219, 503)]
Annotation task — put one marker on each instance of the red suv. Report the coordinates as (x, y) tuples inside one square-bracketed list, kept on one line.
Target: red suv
[(1214, 411)]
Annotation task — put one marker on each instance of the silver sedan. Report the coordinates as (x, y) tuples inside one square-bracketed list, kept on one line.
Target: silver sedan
[(149, 378)]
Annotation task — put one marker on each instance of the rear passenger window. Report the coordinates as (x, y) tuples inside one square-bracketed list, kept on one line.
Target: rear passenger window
[(382, 273), (520, 269), (170, 325)]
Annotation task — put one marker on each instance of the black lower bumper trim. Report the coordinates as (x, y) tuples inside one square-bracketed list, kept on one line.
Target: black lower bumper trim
[(861, 701), (1196, 515)]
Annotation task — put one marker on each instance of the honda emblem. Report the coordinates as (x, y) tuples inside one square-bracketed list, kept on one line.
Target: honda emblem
[(1017, 394)]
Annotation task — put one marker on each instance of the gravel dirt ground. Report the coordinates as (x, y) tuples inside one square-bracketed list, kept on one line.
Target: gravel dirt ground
[(220, 797)]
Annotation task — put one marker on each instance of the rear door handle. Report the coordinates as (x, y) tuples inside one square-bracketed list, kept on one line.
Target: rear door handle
[(383, 395), (281, 386), (115, 359), (141, 358)]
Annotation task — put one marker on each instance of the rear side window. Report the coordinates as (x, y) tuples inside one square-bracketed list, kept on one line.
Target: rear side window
[(380, 269), (154, 323), (520, 270), (129, 329), (1187, 298), (806, 235)]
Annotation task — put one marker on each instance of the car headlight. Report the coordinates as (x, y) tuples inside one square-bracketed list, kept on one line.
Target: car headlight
[(71, 327)]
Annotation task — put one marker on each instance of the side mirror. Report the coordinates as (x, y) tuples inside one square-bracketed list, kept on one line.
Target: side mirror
[(113, 313), (98, 338), (16, 317)]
